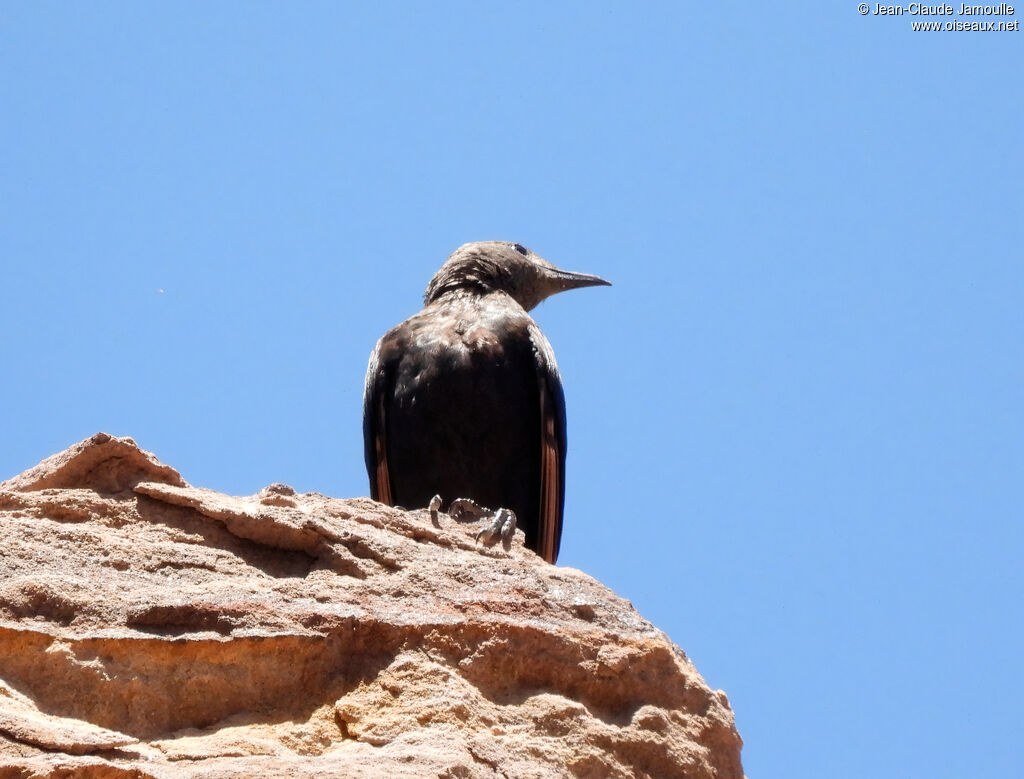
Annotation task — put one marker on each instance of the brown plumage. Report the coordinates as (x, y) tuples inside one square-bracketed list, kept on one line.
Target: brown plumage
[(464, 398)]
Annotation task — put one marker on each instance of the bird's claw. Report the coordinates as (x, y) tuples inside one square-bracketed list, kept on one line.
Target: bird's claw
[(434, 507), (503, 525)]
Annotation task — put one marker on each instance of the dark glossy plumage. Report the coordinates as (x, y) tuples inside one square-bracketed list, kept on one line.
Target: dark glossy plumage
[(464, 398)]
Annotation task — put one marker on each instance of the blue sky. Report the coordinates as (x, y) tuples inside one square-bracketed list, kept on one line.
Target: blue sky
[(796, 436)]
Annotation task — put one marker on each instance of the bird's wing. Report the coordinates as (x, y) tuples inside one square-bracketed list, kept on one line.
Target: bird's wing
[(375, 392), (552, 442)]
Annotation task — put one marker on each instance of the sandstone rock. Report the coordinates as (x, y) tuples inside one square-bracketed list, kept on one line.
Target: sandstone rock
[(153, 629)]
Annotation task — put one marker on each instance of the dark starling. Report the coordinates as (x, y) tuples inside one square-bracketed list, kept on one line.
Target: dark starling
[(464, 399)]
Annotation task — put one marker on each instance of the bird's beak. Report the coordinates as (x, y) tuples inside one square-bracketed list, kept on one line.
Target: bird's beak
[(563, 280)]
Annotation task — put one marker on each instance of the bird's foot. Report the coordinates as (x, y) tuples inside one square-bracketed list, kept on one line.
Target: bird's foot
[(467, 510), (503, 526)]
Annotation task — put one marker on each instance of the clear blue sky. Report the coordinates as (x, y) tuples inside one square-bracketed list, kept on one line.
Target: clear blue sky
[(796, 438)]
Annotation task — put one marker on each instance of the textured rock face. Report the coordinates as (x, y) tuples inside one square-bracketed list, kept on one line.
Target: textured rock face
[(153, 629)]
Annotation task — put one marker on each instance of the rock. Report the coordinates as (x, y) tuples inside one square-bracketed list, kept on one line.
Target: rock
[(153, 629), (103, 464)]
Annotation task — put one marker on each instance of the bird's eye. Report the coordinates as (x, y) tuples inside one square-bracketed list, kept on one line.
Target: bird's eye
[(520, 248)]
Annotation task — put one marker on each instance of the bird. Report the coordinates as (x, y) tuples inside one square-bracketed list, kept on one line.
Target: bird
[(464, 399)]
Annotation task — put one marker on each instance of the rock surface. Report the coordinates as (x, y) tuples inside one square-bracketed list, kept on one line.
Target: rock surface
[(153, 629)]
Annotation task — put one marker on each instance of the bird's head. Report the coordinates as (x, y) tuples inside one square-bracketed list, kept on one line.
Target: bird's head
[(501, 266)]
